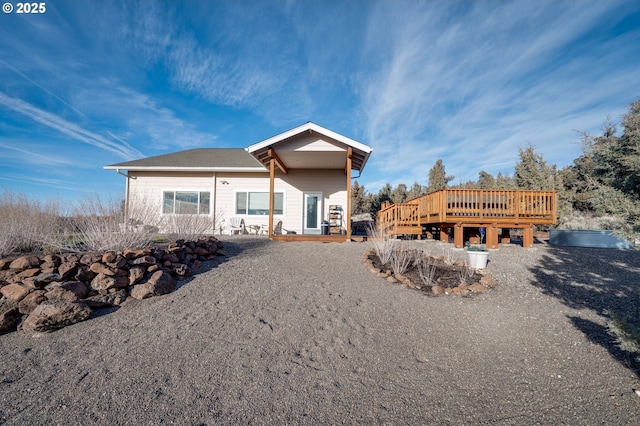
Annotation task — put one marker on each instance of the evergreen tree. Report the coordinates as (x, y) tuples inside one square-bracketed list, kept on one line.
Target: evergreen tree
[(438, 178), (415, 191), (532, 171), (399, 194), (486, 180), (359, 201)]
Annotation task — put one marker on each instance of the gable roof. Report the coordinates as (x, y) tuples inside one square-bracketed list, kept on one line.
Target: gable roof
[(198, 159), (256, 157), (360, 151)]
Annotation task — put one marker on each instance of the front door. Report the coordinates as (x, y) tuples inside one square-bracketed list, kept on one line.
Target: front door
[(312, 212)]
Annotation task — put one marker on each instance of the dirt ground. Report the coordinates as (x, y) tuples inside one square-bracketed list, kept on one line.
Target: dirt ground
[(303, 333)]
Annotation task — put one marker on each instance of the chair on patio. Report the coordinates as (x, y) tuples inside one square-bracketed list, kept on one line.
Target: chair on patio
[(277, 227), (236, 225)]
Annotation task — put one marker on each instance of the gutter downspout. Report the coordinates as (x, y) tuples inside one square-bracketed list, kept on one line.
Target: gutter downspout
[(215, 198), (126, 199)]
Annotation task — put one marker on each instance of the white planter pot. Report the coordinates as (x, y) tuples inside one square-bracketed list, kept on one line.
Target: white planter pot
[(478, 259)]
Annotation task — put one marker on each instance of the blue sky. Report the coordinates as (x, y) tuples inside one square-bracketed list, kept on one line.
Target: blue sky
[(91, 83)]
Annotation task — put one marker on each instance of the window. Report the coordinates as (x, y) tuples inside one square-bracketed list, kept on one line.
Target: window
[(186, 202), (257, 203)]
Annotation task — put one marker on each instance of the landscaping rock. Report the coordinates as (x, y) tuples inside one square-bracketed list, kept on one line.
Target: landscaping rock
[(437, 290), (55, 314), (108, 257), (161, 282), (28, 273), (182, 270), (477, 288), (67, 269), (84, 274), (106, 300), (52, 290), (136, 274), (144, 260), (41, 280), (99, 268), (105, 282), (70, 291), (24, 262), (51, 261), (31, 300), (4, 263), (14, 293), (9, 316), (90, 258)]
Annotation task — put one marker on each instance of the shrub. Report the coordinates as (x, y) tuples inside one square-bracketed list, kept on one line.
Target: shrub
[(401, 258), (426, 269), (26, 223), (383, 247)]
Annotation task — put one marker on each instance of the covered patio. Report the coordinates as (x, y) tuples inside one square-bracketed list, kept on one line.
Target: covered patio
[(301, 156)]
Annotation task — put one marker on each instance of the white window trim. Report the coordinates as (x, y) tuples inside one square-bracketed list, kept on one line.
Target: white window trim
[(211, 194), (284, 203)]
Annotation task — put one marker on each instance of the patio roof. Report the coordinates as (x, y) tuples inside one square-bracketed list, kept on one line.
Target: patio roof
[(311, 146)]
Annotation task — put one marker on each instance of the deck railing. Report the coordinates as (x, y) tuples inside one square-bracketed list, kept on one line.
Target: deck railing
[(393, 218), (470, 206)]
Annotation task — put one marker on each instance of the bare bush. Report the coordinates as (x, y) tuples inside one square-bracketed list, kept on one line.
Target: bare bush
[(383, 247), (426, 268), (401, 258), (464, 274), (26, 222), (187, 226), (98, 224)]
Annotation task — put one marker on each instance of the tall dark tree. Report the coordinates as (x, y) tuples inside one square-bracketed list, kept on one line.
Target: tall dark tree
[(359, 199), (532, 171), (486, 180), (399, 194), (415, 191), (438, 178)]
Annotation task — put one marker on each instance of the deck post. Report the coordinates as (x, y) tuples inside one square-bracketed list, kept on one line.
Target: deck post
[(492, 236), (527, 237), (458, 236), (444, 234)]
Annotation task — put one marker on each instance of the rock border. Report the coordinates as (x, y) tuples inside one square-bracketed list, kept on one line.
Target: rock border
[(43, 294)]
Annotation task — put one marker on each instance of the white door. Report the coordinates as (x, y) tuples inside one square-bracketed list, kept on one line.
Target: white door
[(312, 213)]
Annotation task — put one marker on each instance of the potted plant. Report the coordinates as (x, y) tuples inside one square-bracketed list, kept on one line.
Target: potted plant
[(477, 257)]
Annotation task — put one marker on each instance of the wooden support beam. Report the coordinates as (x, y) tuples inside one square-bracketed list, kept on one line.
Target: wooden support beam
[(527, 237), (458, 236), (281, 165), (272, 176), (348, 209), (492, 236), (444, 234)]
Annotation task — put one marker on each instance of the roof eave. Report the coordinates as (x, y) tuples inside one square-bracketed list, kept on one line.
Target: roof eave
[(186, 169), (305, 127)]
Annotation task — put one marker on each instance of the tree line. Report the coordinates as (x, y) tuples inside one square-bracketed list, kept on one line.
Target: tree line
[(599, 190)]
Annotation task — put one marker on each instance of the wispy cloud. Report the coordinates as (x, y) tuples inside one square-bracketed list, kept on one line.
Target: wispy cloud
[(123, 150), (470, 82)]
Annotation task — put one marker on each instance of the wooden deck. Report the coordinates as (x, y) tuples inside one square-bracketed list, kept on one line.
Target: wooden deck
[(471, 208)]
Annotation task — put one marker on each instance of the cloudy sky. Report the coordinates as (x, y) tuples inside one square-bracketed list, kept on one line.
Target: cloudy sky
[(91, 83)]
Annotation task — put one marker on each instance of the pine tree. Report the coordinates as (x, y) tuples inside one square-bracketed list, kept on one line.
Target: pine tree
[(438, 178)]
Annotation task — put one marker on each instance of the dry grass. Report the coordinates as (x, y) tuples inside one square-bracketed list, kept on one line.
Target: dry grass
[(427, 270), (91, 224), (384, 247)]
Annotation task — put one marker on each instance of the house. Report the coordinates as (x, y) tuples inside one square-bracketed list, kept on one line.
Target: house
[(301, 177)]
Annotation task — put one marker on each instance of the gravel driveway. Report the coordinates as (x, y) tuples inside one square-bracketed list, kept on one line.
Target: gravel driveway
[(302, 333)]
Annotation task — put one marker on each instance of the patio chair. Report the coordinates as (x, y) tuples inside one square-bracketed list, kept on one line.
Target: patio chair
[(236, 225), (277, 228)]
